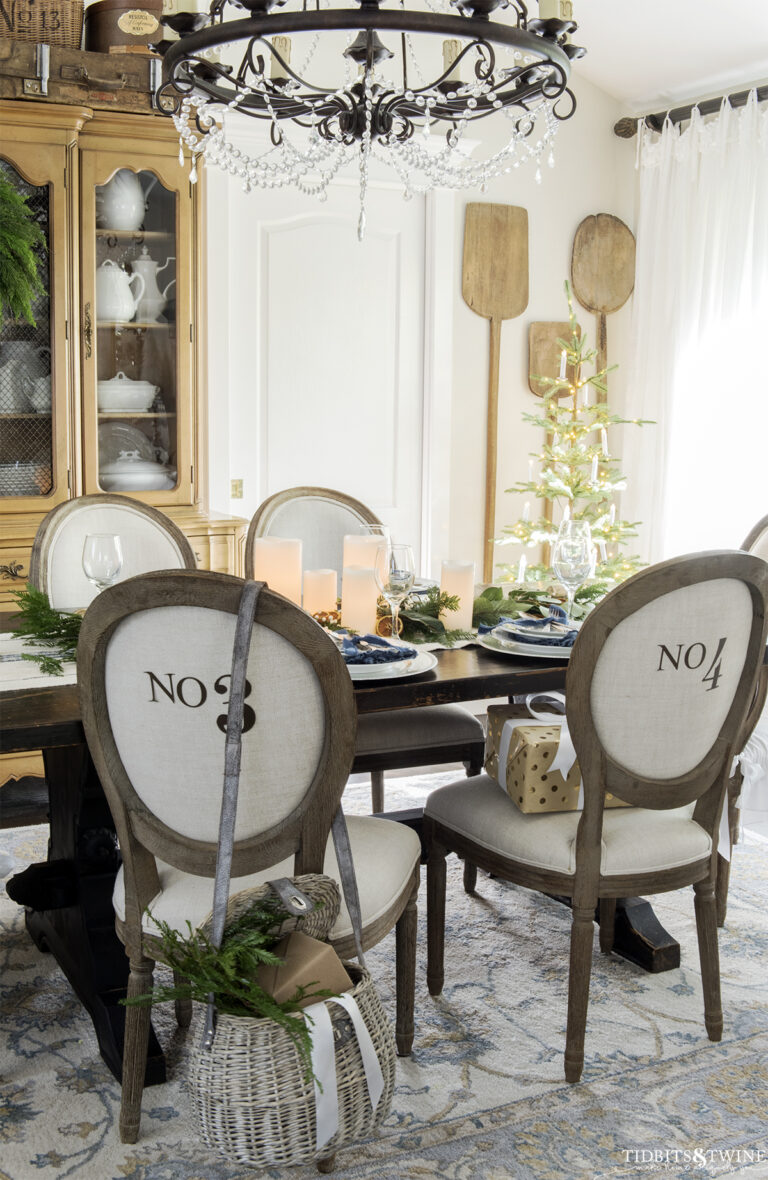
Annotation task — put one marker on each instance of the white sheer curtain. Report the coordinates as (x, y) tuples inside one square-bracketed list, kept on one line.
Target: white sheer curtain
[(698, 479)]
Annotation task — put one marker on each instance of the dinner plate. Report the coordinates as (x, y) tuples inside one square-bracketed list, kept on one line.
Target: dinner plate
[(423, 661), (539, 651), (115, 437)]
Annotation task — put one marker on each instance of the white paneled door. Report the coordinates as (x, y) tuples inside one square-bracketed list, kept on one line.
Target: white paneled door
[(326, 348)]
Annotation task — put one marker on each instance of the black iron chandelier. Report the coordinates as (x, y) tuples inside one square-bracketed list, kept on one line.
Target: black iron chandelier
[(383, 107)]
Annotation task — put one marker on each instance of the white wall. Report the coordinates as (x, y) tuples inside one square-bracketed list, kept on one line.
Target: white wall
[(594, 173)]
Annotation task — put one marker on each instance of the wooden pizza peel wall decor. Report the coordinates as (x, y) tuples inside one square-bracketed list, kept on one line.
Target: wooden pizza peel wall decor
[(494, 285), (603, 273)]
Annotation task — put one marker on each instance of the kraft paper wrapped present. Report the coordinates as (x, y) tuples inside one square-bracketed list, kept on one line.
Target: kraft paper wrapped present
[(307, 962), (529, 753)]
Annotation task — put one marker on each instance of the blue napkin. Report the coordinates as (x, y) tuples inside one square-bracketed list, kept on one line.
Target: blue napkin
[(525, 630), (357, 649)]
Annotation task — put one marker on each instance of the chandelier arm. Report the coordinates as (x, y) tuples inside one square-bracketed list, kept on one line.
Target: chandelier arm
[(365, 19)]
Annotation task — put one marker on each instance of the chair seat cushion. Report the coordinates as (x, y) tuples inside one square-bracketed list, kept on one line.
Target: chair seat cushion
[(411, 729), (385, 854), (634, 839)]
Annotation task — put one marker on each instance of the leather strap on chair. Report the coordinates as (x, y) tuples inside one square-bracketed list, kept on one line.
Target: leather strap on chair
[(293, 899)]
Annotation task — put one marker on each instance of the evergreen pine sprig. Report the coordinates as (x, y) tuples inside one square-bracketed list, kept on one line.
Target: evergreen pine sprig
[(43, 626), (21, 239), (228, 972), (420, 617), (577, 470)]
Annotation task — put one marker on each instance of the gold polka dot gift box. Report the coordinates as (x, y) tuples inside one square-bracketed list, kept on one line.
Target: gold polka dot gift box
[(532, 757)]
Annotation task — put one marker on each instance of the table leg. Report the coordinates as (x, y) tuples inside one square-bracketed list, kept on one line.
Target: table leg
[(69, 902)]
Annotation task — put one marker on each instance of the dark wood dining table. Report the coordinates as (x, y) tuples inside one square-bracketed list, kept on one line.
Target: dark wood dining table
[(68, 897)]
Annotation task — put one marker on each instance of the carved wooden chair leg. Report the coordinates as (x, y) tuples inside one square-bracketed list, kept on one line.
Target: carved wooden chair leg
[(377, 791), (723, 865), (137, 1021), (405, 970), (435, 917), (607, 907), (709, 957), (182, 1008), (582, 933), (473, 767)]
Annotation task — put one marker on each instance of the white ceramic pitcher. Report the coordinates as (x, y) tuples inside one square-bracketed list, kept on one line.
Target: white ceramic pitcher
[(122, 202), (153, 300), (115, 298)]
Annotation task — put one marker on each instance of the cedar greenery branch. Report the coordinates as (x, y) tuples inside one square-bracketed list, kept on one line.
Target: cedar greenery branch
[(21, 243), (228, 973), (577, 471), (42, 626)]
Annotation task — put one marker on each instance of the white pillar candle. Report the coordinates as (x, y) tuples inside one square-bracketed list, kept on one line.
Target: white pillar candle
[(360, 549), (277, 561), (458, 577), (320, 590), (359, 595)]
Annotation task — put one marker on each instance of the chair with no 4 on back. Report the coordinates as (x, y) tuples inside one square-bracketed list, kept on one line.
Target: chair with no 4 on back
[(659, 684)]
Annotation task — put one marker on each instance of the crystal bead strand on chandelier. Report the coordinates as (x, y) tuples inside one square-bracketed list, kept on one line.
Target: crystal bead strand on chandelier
[(314, 131)]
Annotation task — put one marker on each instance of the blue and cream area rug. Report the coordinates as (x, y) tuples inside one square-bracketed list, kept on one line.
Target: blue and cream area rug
[(483, 1097)]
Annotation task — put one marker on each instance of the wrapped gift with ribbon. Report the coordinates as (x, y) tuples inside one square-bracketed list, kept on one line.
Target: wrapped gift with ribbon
[(530, 753)]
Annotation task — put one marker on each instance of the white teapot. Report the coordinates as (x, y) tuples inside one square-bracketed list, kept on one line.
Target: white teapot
[(153, 300), (115, 299), (122, 202)]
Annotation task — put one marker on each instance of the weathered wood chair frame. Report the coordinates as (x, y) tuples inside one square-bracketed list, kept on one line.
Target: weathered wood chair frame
[(471, 753), (25, 801), (301, 834), (705, 784), (756, 542)]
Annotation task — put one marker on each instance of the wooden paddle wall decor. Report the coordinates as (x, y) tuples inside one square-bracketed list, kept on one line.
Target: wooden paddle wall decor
[(603, 272), (494, 285)]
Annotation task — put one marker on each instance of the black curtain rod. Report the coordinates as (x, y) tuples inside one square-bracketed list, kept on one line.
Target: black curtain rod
[(626, 128)]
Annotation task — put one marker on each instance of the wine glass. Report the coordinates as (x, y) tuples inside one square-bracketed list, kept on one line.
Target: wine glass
[(102, 559), (395, 571), (572, 558)]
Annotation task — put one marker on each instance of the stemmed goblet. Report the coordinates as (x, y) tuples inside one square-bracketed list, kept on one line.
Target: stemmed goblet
[(395, 571), (572, 558), (102, 559)]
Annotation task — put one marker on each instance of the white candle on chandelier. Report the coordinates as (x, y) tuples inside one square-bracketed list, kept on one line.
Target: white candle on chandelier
[(359, 595), (277, 561), (451, 50), (281, 45), (320, 590), (458, 578), (521, 566), (563, 359)]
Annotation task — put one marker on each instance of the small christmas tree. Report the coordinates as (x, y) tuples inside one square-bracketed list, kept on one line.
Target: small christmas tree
[(577, 471)]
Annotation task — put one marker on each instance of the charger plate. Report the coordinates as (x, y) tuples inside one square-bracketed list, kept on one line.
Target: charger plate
[(539, 651), (423, 661)]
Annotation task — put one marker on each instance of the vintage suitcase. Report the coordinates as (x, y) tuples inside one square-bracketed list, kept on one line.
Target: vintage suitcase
[(120, 81)]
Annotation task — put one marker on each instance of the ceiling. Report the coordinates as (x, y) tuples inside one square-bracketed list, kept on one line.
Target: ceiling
[(654, 54)]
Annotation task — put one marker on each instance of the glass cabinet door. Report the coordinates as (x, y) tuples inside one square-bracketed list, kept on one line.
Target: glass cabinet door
[(33, 355), (137, 409)]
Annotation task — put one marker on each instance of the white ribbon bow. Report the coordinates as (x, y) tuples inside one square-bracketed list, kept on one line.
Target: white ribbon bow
[(565, 755), (324, 1062)]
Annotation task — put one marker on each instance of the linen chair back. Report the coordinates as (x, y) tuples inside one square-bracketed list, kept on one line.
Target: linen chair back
[(319, 517), (661, 677), (154, 666), (149, 539), (756, 540)]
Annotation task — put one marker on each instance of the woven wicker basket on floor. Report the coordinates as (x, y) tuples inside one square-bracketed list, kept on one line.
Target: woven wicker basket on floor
[(59, 22), (252, 1102)]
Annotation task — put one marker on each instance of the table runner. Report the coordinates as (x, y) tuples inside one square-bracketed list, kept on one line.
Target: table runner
[(16, 672)]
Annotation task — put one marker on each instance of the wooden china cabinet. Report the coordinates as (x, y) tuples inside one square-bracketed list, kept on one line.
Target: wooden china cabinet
[(113, 201)]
